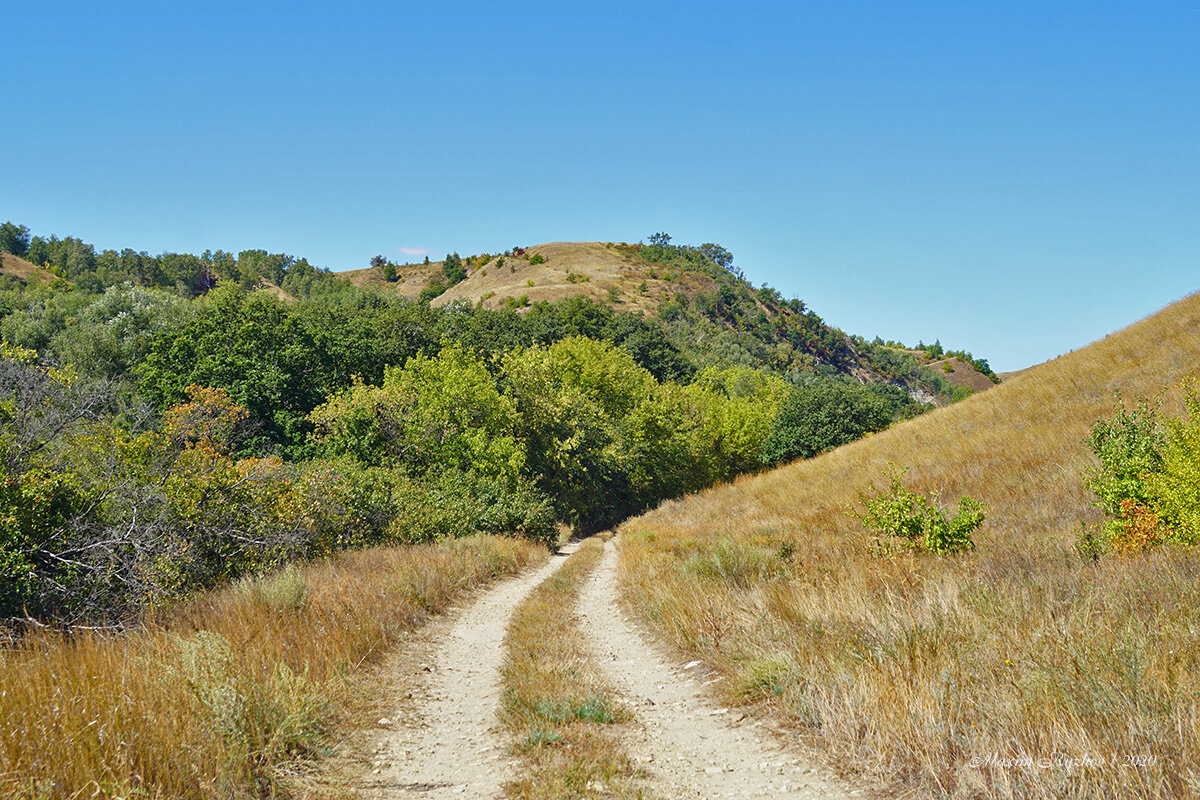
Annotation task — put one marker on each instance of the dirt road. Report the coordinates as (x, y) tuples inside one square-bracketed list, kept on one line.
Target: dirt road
[(445, 741)]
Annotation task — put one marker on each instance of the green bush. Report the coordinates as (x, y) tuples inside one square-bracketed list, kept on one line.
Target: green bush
[(1148, 478), (537, 258), (1129, 447), (456, 504), (919, 522)]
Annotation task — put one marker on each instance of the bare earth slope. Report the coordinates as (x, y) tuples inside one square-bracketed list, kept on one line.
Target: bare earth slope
[(592, 269)]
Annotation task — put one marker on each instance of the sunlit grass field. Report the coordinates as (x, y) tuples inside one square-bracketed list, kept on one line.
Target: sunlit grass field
[(233, 695), (1017, 670)]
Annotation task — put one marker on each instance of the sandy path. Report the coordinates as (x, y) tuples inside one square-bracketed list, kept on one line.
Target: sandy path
[(690, 747), (445, 740)]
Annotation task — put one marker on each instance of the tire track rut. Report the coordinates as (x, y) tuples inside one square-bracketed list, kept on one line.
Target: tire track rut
[(688, 746), (446, 742)]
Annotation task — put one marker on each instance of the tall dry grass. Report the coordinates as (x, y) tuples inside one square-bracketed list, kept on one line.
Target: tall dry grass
[(227, 696), (562, 714), (1017, 670)]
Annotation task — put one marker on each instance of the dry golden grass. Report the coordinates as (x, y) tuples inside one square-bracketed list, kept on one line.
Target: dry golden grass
[(909, 667), (233, 692), (602, 265), (557, 706), (22, 270)]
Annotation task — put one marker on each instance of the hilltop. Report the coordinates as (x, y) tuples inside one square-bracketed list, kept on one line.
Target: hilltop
[(1023, 646), (706, 302)]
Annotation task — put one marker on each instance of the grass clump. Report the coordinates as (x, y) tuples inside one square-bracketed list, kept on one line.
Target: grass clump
[(737, 561), (560, 711)]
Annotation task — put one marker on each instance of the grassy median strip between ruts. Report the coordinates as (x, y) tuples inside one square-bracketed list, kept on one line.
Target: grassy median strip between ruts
[(233, 691), (561, 714)]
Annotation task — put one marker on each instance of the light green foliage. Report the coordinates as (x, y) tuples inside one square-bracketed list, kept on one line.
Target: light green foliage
[(453, 504), (1148, 480), (573, 399), (433, 413), (919, 522), (1174, 491), (114, 333), (739, 422), (1129, 446)]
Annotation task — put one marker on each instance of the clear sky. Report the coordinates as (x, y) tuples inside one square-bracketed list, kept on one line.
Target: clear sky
[(1016, 179)]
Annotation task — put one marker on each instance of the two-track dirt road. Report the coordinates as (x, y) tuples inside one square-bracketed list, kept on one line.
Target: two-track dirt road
[(445, 741)]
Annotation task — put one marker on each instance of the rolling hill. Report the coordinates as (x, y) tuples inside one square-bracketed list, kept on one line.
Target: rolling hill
[(914, 668), (708, 306)]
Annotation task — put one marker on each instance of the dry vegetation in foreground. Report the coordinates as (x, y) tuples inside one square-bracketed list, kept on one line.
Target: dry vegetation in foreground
[(557, 706), (234, 693), (931, 671)]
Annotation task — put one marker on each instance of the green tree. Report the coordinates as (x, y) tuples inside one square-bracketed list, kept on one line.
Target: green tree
[(573, 399), (432, 414), (453, 269), (14, 239), (821, 417)]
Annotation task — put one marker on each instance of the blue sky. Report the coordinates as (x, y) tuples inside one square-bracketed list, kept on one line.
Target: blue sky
[(1015, 179)]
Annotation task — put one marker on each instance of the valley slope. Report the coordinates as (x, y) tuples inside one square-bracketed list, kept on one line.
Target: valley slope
[(918, 668)]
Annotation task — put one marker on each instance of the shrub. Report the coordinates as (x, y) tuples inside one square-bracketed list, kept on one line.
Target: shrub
[(918, 521), (537, 258), (453, 269), (435, 289), (456, 504), (1148, 480), (1129, 446)]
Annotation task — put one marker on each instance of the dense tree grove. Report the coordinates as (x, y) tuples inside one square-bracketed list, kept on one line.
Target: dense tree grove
[(166, 423)]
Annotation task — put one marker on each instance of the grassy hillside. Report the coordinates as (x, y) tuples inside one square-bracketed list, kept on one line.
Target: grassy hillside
[(570, 269), (23, 270), (931, 671)]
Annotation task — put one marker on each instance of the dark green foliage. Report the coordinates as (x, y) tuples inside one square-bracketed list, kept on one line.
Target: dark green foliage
[(435, 289), (820, 417), (453, 269), (14, 239)]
